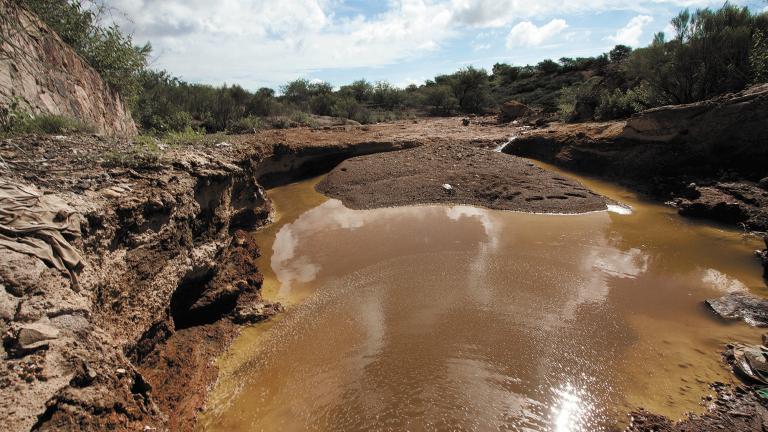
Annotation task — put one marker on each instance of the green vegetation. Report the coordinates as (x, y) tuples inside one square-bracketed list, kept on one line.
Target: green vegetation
[(15, 119), (109, 50), (711, 52)]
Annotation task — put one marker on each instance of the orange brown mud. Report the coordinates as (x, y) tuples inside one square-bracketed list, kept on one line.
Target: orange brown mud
[(169, 275)]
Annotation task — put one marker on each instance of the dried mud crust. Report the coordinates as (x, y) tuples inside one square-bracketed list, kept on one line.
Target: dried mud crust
[(456, 174)]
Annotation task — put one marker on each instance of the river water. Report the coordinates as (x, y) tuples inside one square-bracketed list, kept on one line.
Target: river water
[(460, 318)]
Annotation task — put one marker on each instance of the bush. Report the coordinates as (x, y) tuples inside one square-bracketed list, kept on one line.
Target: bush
[(303, 119), (578, 102), (615, 104), (55, 124), (249, 124), (350, 108), (14, 120), (548, 67), (107, 49), (440, 99)]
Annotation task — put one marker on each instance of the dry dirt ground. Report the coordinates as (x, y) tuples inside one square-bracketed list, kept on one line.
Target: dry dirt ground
[(125, 340)]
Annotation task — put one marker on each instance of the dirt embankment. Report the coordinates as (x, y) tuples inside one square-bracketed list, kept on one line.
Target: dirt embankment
[(456, 174), (708, 158), (124, 339)]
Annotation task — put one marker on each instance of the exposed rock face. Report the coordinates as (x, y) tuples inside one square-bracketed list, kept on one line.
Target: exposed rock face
[(38, 67)]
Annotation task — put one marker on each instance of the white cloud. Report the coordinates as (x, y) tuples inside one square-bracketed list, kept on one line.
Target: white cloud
[(498, 13), (631, 33), (266, 42), (527, 33)]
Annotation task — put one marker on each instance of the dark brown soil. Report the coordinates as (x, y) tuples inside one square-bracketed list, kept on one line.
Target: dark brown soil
[(476, 177)]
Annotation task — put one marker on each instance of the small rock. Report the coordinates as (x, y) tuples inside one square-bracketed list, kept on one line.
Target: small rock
[(8, 304), (448, 188), (110, 193), (36, 335), (763, 183), (465, 122), (121, 372)]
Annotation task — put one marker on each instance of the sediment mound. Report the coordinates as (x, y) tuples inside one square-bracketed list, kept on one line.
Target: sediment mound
[(456, 174)]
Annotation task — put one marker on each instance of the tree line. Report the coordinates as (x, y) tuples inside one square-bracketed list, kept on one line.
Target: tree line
[(712, 52)]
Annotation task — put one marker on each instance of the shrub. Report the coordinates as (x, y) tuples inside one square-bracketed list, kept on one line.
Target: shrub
[(615, 104), (578, 102), (245, 125), (56, 124), (14, 119), (350, 108), (13, 116), (440, 99), (303, 119)]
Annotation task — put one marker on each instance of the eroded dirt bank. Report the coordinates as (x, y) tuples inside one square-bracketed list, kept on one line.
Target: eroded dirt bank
[(123, 337), (707, 158)]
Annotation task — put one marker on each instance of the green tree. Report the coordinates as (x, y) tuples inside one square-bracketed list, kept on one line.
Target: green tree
[(548, 66), (471, 90), (107, 49)]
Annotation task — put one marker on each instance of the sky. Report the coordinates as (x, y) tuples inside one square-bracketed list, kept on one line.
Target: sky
[(265, 43)]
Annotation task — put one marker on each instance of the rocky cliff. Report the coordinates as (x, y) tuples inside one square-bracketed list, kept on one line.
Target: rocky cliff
[(37, 67)]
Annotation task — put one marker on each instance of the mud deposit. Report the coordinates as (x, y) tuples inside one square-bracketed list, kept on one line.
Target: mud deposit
[(448, 317), (456, 174)]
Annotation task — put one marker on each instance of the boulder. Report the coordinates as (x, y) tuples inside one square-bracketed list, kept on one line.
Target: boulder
[(740, 305), (254, 313), (763, 183), (512, 110)]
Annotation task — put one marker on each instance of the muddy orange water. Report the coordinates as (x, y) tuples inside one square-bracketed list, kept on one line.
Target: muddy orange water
[(460, 318)]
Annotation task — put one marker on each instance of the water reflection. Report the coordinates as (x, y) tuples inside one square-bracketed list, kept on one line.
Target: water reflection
[(456, 317), (571, 410)]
